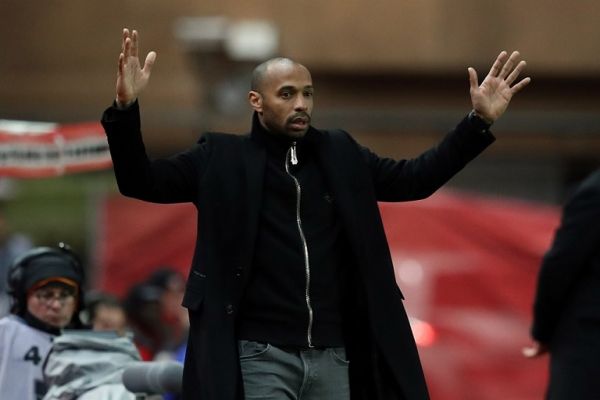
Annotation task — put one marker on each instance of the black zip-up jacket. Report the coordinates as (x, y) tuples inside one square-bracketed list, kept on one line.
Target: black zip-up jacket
[(292, 297)]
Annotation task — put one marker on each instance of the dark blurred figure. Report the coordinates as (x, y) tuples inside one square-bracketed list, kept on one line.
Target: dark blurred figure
[(12, 244), (566, 320), (45, 284), (173, 315), (104, 312), (143, 310)]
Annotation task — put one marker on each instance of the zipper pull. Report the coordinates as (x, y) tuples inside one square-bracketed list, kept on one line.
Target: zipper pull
[(294, 155)]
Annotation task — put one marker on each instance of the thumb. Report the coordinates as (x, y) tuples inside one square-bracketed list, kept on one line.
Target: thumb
[(535, 350), (149, 63), (530, 352), (473, 78)]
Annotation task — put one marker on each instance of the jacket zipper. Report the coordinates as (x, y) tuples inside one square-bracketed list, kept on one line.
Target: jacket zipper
[(292, 157)]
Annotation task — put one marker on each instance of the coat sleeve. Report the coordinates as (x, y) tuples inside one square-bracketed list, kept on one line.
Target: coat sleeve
[(418, 178), (169, 180), (568, 262)]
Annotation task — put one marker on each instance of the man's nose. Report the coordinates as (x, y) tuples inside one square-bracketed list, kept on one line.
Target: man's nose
[(301, 104)]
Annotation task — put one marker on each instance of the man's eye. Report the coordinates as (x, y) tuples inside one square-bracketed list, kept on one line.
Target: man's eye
[(286, 95), (308, 94)]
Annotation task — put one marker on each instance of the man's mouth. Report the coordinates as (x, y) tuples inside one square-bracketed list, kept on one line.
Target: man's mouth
[(299, 122)]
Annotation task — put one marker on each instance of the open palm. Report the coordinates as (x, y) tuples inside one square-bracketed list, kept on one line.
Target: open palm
[(491, 98), (131, 77)]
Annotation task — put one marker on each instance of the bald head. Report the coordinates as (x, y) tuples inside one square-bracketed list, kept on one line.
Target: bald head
[(262, 71)]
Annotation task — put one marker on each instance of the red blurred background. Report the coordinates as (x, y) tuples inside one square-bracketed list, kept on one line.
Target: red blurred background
[(466, 263)]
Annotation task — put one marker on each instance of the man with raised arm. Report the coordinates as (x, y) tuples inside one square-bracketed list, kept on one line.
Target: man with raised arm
[(291, 293)]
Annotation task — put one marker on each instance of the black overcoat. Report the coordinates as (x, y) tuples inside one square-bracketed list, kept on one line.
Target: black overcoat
[(223, 176)]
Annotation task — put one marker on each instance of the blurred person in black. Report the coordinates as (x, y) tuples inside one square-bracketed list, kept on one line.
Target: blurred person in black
[(173, 316), (45, 284), (156, 318), (12, 244), (292, 272), (566, 313), (143, 310)]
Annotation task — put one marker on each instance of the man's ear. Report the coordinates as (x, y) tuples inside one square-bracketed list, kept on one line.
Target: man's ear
[(255, 100)]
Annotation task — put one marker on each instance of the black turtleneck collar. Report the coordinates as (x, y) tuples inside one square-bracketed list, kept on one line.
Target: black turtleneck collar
[(277, 143), (38, 324)]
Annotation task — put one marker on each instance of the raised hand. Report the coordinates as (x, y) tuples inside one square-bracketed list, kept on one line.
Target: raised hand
[(491, 98), (131, 78)]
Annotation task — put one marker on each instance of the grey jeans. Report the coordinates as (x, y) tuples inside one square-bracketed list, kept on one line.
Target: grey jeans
[(272, 373)]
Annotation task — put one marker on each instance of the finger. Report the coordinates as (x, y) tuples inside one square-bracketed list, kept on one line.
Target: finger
[(515, 73), (127, 47), (495, 70), (473, 80), (524, 82), (134, 43), (120, 64), (509, 64), (149, 63), (124, 37)]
